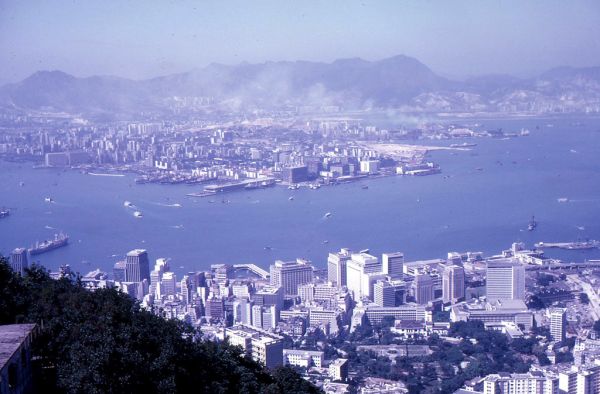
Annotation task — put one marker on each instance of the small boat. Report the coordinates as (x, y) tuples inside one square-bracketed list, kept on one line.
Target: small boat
[(127, 204), (291, 198), (532, 224), (325, 242), (328, 214), (268, 248), (137, 214), (365, 187), (563, 199), (364, 251), (4, 212), (21, 183), (48, 199)]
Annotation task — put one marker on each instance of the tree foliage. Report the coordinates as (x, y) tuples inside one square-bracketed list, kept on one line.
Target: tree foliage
[(103, 342)]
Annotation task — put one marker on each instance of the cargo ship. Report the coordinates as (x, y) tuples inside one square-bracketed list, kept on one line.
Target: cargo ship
[(532, 224), (59, 240)]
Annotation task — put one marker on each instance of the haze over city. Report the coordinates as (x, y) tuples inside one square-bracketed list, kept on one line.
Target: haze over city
[(143, 39), (329, 197)]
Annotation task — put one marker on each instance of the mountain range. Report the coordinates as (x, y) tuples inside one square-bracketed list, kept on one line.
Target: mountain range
[(400, 82)]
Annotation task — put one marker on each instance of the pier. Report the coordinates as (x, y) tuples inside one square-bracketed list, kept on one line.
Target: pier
[(253, 268)]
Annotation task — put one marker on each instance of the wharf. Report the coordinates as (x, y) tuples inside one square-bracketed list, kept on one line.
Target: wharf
[(591, 244)]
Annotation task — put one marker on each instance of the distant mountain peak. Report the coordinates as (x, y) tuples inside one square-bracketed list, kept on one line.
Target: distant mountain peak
[(351, 83)]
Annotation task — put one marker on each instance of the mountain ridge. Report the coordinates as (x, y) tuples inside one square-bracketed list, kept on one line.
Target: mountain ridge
[(400, 82)]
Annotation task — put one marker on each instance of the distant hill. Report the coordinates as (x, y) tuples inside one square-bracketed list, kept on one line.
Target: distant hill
[(399, 82)]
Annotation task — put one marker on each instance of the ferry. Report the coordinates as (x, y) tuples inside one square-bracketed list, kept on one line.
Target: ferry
[(4, 212), (59, 240), (532, 224)]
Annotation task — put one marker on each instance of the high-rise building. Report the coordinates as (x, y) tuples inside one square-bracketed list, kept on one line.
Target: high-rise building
[(137, 266), (453, 283), (389, 293), (269, 295), (265, 317), (423, 288), (338, 369), (18, 260), (215, 307), (336, 267), (246, 311), (357, 267), (188, 289), (290, 274), (505, 279), (119, 271), (295, 174), (156, 275), (558, 323), (392, 263), (257, 317), (169, 280), (224, 272)]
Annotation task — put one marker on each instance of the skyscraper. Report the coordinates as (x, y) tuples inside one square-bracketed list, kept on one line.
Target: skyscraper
[(453, 283), (290, 274), (558, 323), (156, 275), (357, 268), (392, 263), (169, 280), (389, 293), (119, 271), (423, 288), (137, 266), (336, 267), (18, 260), (505, 279), (188, 289)]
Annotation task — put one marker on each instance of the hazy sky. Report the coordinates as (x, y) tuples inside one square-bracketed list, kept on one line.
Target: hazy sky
[(141, 39)]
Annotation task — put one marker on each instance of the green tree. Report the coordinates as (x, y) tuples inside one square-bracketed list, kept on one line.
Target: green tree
[(103, 342)]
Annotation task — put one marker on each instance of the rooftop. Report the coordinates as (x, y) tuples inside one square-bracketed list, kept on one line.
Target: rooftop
[(11, 338)]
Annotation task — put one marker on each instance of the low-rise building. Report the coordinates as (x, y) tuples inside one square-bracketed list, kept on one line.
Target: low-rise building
[(303, 358)]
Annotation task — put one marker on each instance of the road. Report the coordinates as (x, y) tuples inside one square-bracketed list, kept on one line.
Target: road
[(591, 293)]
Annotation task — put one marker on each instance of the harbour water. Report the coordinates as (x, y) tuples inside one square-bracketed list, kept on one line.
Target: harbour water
[(482, 201)]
